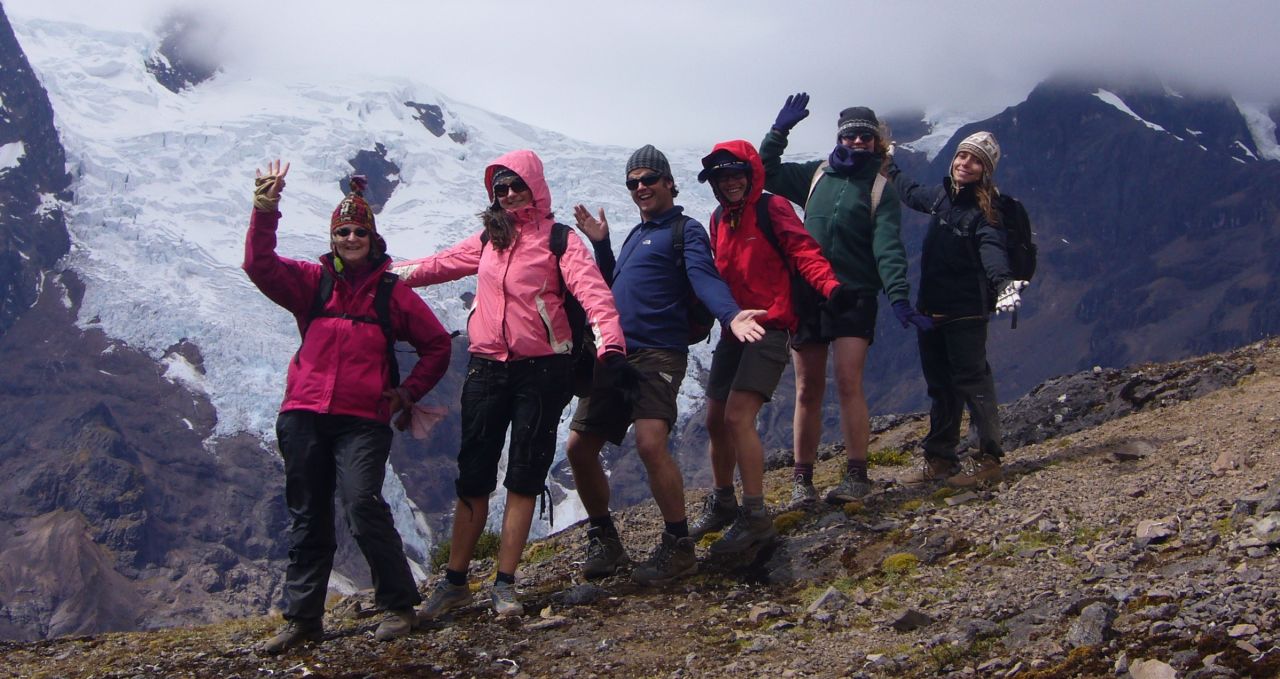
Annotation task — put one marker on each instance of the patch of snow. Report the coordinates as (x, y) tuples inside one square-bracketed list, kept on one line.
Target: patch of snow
[(178, 369), (1195, 133), (106, 373), (11, 154), (1262, 127), (1244, 148), (943, 124), (1118, 103), (187, 422)]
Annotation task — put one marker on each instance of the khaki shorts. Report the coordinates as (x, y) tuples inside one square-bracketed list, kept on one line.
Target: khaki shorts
[(606, 413), (755, 366)]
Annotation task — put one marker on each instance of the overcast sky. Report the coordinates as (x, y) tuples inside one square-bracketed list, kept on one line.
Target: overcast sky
[(690, 73)]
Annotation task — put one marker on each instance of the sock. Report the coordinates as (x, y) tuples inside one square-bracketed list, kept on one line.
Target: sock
[(508, 578), (857, 469), (753, 503), (455, 577), (680, 529), (725, 495), (604, 523), (804, 473)]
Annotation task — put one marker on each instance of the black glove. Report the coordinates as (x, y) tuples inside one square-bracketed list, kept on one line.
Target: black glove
[(909, 316), (795, 110), (843, 298), (621, 375)]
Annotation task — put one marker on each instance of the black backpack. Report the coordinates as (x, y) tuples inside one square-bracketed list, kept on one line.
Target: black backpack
[(381, 307), (584, 344), (1019, 245)]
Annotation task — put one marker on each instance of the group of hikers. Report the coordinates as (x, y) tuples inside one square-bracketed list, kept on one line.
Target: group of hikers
[(784, 290)]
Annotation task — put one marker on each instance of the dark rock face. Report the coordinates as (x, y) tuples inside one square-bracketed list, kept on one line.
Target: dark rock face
[(186, 54), (432, 117), (906, 126), (32, 237), (383, 175)]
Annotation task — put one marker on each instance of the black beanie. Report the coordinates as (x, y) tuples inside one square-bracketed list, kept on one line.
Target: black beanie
[(651, 158), (857, 119)]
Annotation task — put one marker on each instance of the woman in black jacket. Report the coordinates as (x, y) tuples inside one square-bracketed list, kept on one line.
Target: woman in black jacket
[(964, 275)]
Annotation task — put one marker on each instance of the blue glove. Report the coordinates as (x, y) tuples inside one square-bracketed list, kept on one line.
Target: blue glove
[(909, 316), (621, 375), (795, 110)]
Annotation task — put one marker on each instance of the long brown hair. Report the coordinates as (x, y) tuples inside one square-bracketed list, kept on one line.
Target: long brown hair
[(502, 233), (985, 191)]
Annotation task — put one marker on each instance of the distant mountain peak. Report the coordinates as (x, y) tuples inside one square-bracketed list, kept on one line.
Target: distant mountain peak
[(187, 55)]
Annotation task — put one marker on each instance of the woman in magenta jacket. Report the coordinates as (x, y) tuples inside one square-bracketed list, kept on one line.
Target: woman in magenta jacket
[(520, 372), (333, 428)]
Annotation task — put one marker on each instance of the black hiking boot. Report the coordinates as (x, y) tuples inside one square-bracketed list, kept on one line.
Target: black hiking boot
[(715, 515), (605, 554), (750, 531)]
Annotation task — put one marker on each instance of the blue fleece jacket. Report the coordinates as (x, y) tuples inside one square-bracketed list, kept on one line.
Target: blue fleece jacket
[(652, 294)]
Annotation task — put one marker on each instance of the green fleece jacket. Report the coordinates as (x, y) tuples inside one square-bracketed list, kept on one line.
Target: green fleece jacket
[(868, 256)]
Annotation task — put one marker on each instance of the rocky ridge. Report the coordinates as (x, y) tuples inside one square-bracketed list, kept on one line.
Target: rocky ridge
[(1141, 547)]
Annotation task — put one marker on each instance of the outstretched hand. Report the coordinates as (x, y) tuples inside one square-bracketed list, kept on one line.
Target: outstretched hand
[(267, 186), (596, 229), (744, 325), (1010, 297), (792, 112)]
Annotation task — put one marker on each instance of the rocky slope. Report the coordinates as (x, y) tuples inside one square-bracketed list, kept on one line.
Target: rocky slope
[(1112, 548)]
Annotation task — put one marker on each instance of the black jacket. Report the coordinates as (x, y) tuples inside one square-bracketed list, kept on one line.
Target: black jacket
[(964, 260)]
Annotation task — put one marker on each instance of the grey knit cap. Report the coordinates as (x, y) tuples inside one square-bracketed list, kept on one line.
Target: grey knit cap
[(984, 146), (650, 158)]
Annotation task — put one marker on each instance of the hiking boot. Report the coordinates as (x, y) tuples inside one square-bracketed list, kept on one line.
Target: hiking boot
[(294, 634), (715, 515), (673, 558), (986, 469), (802, 495), (932, 470), (396, 624), (750, 529), (504, 599), (851, 488), (605, 554), (444, 597)]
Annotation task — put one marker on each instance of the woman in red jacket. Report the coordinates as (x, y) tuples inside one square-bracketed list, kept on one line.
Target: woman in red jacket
[(341, 391), (758, 241)]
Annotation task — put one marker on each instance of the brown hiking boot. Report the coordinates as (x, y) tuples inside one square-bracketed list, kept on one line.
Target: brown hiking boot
[(932, 470), (986, 469), (295, 633), (396, 624)]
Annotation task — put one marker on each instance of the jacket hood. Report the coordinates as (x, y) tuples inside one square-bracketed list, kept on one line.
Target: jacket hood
[(528, 166), (743, 151)]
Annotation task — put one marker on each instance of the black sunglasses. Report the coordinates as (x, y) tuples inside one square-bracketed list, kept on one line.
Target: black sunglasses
[(518, 185), (647, 180), (345, 231), (864, 137)]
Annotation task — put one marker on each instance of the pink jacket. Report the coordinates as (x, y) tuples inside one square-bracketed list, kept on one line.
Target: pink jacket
[(341, 367), (519, 304)]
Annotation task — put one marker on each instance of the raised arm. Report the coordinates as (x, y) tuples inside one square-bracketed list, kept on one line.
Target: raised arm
[(597, 232), (287, 282), (917, 196)]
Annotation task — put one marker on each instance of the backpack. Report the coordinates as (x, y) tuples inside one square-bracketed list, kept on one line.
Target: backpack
[(1018, 238), (584, 345), (699, 317), (381, 307)]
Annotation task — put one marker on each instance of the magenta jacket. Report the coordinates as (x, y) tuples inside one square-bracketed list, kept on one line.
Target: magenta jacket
[(342, 367), (519, 304)]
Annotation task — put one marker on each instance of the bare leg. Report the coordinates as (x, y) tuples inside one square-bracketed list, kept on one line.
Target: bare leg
[(850, 358), (723, 457), (810, 362), (740, 418), (583, 452), (516, 519), (665, 481), (468, 524)]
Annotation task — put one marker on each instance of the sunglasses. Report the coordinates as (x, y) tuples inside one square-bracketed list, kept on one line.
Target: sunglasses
[(345, 231), (864, 137), (647, 180), (501, 190)]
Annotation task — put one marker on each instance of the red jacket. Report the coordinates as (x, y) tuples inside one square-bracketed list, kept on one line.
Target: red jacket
[(757, 275), (342, 367)]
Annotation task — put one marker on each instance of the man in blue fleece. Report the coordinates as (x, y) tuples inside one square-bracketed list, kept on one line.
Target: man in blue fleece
[(654, 284)]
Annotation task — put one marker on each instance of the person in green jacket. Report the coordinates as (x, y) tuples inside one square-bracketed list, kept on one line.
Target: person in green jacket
[(856, 218)]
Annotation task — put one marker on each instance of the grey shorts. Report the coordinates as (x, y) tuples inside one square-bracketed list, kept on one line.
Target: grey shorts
[(606, 413), (755, 366)]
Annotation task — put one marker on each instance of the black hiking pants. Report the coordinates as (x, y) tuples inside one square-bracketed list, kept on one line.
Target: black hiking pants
[(953, 357), (323, 453)]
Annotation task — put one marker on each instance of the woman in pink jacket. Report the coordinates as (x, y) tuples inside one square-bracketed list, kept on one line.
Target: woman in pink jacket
[(342, 389), (520, 372)]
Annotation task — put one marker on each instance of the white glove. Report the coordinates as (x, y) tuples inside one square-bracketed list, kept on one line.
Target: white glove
[(1009, 299)]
